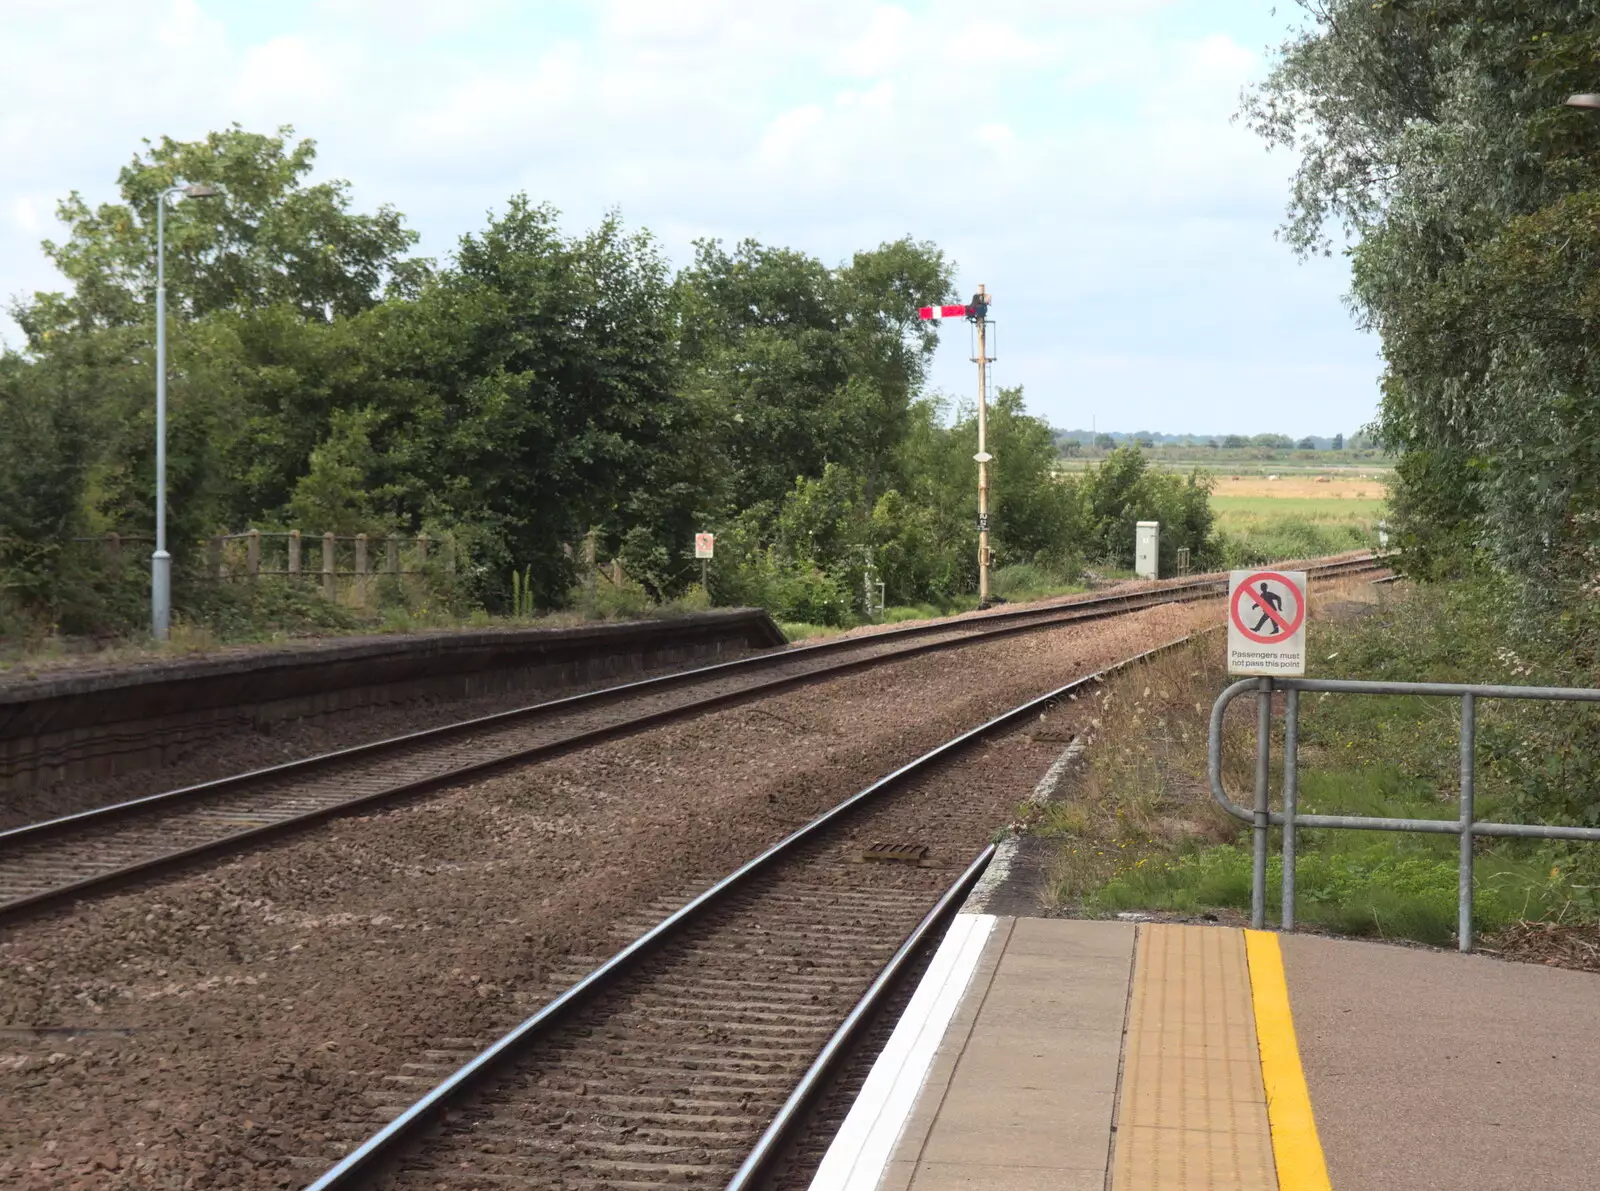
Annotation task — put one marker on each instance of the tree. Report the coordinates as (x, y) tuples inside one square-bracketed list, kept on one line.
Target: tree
[(1235, 442), (1306, 444), (1436, 135), (268, 238), (1104, 442), (528, 392), (1125, 490), (1338, 442), (791, 365)]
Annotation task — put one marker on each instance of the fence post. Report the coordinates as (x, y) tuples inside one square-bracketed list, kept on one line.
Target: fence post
[(294, 552), (391, 554), (214, 555), (1469, 733), (422, 549), (361, 569), (114, 548), (330, 582), (1258, 878), (589, 564), (448, 544), (252, 554), (1291, 798)]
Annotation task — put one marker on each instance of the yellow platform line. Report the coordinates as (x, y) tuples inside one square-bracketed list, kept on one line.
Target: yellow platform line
[(1296, 1149)]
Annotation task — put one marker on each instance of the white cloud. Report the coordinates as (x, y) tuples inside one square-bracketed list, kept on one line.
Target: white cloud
[(1073, 154), (25, 214)]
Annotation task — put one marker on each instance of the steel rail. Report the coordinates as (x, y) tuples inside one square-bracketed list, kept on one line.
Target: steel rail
[(1044, 617), (834, 1052), (1009, 623), (388, 1141)]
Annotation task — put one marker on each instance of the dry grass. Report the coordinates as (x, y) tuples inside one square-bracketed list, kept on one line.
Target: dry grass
[(1141, 794), (1303, 487)]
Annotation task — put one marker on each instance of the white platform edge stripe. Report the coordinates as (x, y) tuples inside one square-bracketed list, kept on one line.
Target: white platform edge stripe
[(860, 1151)]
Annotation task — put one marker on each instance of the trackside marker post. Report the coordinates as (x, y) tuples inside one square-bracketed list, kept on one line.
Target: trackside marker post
[(705, 549), (1267, 623)]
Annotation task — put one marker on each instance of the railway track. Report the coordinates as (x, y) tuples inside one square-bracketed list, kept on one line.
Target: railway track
[(688, 1057), (44, 864)]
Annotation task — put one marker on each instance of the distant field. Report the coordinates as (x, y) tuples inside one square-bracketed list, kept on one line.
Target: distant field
[(1299, 515)]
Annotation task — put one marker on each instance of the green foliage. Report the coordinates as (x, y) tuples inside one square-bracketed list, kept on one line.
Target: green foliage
[(1288, 537), (535, 387), (522, 592), (1124, 490), (1437, 135), (267, 239)]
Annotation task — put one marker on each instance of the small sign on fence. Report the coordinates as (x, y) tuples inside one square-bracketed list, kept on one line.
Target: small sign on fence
[(1267, 622), (704, 544)]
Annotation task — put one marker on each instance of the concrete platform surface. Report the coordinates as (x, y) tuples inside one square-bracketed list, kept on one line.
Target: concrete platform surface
[(1096, 1056), (1434, 1071)]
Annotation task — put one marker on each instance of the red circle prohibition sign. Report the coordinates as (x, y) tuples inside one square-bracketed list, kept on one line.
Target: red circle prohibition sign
[(1286, 628)]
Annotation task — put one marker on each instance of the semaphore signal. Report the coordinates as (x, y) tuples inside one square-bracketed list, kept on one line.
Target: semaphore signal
[(977, 313)]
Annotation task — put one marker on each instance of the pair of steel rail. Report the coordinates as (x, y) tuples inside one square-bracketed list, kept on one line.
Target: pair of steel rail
[(383, 1148), (57, 845)]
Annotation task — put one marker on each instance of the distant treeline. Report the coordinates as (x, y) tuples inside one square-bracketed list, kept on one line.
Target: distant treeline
[(1111, 439)]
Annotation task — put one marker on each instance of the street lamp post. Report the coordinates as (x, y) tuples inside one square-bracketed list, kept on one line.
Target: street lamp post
[(161, 561)]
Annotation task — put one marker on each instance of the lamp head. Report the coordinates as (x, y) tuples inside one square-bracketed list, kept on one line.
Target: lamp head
[(1589, 102), (200, 190)]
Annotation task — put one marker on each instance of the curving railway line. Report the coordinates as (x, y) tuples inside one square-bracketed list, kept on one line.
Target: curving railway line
[(689, 1057), (44, 864)]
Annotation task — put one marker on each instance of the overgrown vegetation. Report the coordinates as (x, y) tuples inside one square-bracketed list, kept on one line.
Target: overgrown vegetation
[(536, 386), (1437, 135), (1141, 831)]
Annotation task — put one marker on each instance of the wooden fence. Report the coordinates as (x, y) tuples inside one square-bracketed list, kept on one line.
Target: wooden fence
[(348, 564)]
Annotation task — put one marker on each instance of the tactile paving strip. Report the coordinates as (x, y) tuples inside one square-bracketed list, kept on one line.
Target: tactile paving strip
[(1192, 1114)]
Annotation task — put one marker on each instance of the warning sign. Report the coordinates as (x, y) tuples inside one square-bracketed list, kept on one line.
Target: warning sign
[(704, 545), (1266, 622)]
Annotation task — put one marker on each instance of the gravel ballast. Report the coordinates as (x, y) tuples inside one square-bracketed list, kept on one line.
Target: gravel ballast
[(205, 1031)]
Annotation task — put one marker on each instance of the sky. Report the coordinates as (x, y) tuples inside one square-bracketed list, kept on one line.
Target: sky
[(1077, 157)]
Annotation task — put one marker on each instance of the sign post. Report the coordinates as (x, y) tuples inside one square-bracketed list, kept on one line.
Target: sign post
[(1267, 623), (705, 545)]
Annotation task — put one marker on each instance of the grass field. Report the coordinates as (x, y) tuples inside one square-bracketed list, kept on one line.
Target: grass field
[(1293, 516)]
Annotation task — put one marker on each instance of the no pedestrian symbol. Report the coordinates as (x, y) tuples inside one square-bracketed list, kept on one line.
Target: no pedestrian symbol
[(1267, 622)]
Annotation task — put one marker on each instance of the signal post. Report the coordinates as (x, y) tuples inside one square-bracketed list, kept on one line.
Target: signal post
[(977, 313)]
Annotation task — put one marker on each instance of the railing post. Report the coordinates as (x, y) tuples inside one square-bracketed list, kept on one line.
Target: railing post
[(330, 581), (1469, 733), (294, 552), (391, 554), (1291, 798), (361, 569), (252, 554), (214, 555), (1258, 872)]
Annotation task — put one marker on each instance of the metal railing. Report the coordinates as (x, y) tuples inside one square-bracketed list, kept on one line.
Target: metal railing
[(1262, 818)]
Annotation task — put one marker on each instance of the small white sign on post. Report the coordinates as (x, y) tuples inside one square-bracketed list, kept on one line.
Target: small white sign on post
[(704, 544), (1267, 623)]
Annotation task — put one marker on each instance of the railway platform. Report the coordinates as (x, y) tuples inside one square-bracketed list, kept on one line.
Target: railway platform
[(1071, 1055)]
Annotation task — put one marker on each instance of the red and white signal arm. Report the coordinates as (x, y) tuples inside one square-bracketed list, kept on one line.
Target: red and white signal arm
[(940, 312), (704, 544), (1267, 623)]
